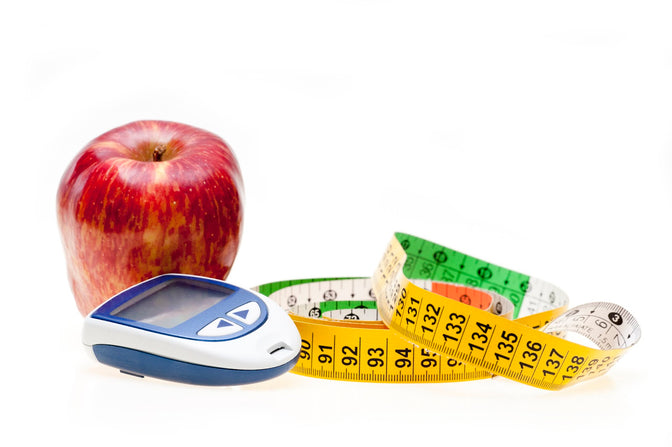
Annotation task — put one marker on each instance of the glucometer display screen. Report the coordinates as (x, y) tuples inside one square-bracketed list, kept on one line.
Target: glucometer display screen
[(172, 304)]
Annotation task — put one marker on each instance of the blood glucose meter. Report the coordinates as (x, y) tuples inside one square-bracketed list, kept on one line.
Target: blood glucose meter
[(195, 330)]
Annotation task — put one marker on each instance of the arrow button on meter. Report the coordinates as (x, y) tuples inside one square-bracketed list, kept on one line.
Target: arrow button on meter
[(219, 328), (248, 313)]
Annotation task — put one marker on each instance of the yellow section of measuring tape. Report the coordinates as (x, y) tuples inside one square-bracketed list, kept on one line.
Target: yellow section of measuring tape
[(421, 336), (369, 352)]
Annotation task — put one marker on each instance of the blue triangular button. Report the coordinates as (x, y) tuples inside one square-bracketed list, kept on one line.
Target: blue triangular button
[(224, 323), (242, 313)]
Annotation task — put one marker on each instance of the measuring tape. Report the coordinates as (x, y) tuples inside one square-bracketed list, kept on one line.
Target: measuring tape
[(432, 314)]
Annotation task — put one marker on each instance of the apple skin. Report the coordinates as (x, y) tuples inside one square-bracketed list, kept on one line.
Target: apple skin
[(148, 198)]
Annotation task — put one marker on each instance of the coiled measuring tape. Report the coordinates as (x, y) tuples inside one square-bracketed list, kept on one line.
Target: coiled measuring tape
[(431, 314)]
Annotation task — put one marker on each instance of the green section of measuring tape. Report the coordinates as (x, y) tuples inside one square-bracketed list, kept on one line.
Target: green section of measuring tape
[(268, 289), (427, 260), (328, 306)]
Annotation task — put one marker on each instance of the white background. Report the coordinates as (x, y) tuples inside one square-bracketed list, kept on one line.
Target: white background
[(534, 135)]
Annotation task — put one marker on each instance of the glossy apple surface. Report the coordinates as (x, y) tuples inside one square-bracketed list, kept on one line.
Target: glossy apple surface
[(148, 198)]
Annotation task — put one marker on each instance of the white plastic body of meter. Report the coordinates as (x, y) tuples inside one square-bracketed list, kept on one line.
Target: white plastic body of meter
[(195, 330)]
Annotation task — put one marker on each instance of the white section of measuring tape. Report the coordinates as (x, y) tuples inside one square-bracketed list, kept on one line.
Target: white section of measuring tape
[(607, 325), (541, 296)]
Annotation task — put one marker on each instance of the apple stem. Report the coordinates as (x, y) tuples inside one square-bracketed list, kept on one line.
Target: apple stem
[(158, 152)]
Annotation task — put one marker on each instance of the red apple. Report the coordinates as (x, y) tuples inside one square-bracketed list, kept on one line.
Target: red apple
[(144, 199)]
